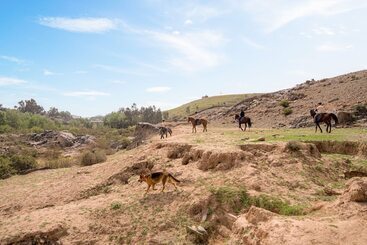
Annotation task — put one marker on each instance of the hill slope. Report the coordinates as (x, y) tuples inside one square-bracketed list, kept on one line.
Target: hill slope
[(206, 103), (341, 93)]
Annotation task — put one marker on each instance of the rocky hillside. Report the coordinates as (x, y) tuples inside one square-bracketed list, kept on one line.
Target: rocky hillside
[(341, 93)]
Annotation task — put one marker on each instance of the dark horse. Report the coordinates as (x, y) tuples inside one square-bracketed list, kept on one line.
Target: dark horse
[(165, 131), (196, 122), (243, 120), (323, 117)]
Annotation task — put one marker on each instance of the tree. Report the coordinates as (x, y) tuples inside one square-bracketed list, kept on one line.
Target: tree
[(30, 106)]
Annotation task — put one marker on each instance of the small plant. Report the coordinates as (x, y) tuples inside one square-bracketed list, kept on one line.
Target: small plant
[(293, 146), (360, 109), (235, 198), (238, 199), (6, 169), (116, 205), (277, 205), (62, 162), (287, 111), (284, 103), (93, 157), (22, 162)]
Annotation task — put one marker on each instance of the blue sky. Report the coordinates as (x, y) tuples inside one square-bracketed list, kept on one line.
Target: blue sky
[(92, 57)]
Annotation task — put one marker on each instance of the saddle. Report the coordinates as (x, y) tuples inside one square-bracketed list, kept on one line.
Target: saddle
[(197, 121)]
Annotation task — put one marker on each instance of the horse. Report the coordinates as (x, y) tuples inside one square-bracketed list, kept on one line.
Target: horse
[(164, 131), (243, 120), (196, 122), (323, 117)]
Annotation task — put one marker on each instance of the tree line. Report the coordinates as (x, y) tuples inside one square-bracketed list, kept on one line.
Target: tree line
[(28, 114)]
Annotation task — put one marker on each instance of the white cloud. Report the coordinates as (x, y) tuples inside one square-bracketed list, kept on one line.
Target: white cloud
[(188, 22), (275, 14), (202, 12), (195, 51), (4, 81), (12, 59), (252, 43), (48, 73), (89, 25), (158, 89), (329, 47), (86, 94), (320, 30)]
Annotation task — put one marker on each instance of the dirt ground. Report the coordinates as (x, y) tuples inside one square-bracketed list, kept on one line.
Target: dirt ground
[(105, 203)]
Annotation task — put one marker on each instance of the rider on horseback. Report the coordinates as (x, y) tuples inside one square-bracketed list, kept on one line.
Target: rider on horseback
[(242, 114)]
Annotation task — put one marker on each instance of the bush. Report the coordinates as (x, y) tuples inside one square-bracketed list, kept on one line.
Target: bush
[(93, 157), (238, 199), (235, 198), (284, 103), (116, 205), (277, 205), (360, 109), (293, 146), (287, 111), (5, 129), (6, 169), (64, 162), (22, 162)]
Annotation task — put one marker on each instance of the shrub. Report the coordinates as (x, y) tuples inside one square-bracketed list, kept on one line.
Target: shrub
[(235, 198), (277, 205), (293, 146), (360, 109), (22, 162), (6, 169), (284, 103), (116, 205), (93, 157), (5, 129), (287, 111), (64, 162), (238, 199)]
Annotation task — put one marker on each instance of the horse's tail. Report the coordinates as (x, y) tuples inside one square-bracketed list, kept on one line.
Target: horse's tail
[(249, 122), (334, 117)]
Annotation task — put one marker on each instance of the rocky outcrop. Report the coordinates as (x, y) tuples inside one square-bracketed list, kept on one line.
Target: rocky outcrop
[(60, 138)]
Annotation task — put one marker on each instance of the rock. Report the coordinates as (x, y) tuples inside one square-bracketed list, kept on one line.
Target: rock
[(356, 190), (261, 139), (256, 215), (59, 138)]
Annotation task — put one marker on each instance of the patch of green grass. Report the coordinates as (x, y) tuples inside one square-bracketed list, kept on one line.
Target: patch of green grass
[(205, 103), (237, 199), (116, 205)]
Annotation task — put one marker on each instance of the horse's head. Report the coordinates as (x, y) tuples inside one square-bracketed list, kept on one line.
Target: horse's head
[(189, 119), (236, 117), (312, 112)]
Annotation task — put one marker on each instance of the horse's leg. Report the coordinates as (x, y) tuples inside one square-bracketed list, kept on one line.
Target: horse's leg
[(316, 129), (318, 125), (245, 126)]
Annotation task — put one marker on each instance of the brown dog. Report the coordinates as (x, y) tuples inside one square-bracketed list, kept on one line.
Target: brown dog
[(154, 178)]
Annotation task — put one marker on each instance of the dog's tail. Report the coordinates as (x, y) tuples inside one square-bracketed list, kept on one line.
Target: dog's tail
[(171, 176), (335, 118)]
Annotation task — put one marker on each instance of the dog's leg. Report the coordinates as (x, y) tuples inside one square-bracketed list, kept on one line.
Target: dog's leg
[(147, 190), (164, 183)]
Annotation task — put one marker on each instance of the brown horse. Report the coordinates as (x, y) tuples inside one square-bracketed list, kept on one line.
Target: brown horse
[(323, 117), (196, 122), (243, 120)]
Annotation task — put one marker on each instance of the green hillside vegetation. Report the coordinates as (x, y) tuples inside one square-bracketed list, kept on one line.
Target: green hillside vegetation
[(205, 103)]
